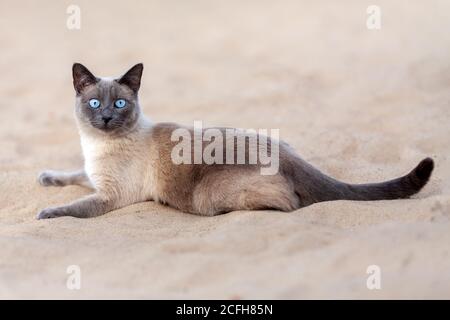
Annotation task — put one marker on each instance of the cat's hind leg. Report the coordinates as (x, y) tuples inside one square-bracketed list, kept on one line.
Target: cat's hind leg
[(231, 190), (60, 178)]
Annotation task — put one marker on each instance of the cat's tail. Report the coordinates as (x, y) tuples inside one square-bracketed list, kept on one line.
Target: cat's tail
[(326, 188)]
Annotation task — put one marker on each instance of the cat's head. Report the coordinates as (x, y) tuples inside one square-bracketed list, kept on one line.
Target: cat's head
[(107, 105)]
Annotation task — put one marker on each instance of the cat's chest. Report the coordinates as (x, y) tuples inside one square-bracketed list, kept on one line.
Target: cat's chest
[(123, 165)]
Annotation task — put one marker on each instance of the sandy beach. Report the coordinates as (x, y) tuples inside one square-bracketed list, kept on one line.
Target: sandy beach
[(361, 105)]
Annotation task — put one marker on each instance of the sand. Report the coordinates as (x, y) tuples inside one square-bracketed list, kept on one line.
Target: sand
[(361, 105)]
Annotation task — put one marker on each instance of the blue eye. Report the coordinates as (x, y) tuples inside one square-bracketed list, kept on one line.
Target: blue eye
[(120, 103), (94, 103)]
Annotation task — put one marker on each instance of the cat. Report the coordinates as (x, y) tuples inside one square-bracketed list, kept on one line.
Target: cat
[(128, 160)]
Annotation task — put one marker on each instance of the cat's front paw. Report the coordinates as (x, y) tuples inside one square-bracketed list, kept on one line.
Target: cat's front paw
[(50, 213), (47, 178)]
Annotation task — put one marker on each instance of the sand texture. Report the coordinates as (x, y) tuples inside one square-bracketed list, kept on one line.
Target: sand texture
[(361, 105)]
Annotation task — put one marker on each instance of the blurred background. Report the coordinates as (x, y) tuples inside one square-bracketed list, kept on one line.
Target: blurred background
[(360, 104)]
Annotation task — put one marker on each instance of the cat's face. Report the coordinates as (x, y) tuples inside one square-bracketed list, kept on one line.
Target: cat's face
[(109, 106)]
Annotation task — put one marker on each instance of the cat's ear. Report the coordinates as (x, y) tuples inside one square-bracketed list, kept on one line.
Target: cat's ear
[(82, 77), (132, 78)]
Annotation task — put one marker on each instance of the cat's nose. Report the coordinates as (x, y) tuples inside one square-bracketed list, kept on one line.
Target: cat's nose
[(106, 119)]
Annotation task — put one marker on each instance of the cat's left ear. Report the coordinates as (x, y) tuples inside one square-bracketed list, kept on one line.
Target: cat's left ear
[(132, 78)]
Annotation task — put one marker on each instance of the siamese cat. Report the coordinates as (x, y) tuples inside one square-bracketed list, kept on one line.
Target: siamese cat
[(128, 160)]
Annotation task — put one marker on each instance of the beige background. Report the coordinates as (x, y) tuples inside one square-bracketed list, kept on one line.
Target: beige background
[(360, 105)]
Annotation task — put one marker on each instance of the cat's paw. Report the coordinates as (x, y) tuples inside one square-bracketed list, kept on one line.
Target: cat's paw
[(47, 178), (50, 213)]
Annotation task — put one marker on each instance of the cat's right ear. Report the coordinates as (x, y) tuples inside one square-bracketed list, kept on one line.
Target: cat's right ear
[(82, 77)]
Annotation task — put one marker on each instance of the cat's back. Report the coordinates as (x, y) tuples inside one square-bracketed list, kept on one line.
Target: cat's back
[(161, 133)]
